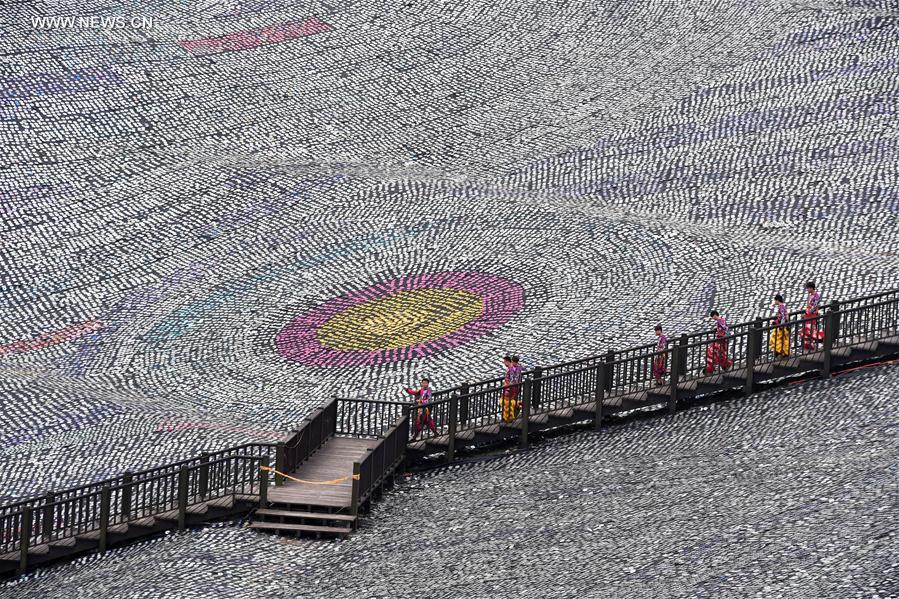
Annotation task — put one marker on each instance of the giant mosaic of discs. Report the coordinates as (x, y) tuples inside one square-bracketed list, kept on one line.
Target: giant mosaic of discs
[(407, 317)]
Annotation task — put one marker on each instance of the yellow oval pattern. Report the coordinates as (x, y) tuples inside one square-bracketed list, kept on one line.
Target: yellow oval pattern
[(403, 319)]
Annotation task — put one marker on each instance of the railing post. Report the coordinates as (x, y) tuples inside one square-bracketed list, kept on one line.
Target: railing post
[(354, 498), (602, 375), (831, 324), (47, 525), (451, 447), (25, 539), (204, 474), (182, 497), (537, 388), (263, 483), (674, 377), (682, 361), (105, 496), (463, 404), (610, 372), (291, 454), (525, 412), (753, 349), (279, 463), (127, 490)]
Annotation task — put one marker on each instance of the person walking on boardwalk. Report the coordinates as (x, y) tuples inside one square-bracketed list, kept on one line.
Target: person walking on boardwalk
[(515, 380), (423, 413), (660, 361), (507, 400), (780, 335), (716, 354), (811, 335)]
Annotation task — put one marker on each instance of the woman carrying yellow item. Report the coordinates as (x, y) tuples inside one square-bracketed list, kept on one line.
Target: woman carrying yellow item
[(780, 336), (509, 394)]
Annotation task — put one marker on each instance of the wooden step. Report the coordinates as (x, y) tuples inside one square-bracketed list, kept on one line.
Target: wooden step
[(243, 497), (169, 515), (148, 522), (764, 369), (306, 515), (816, 357), (661, 390), (690, 385), (738, 374), (225, 502), (334, 530), (42, 549), (443, 440), (10, 557), (67, 542), (587, 408), (488, 429), (563, 414)]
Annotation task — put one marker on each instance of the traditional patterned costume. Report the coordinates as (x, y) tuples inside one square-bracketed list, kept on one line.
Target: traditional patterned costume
[(780, 336), (716, 354), (423, 417), (515, 379), (811, 335), (660, 362), (509, 396)]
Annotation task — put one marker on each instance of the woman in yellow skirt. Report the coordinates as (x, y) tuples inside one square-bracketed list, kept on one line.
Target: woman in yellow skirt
[(780, 336)]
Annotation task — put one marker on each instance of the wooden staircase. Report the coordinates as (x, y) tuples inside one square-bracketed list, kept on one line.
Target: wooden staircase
[(285, 518)]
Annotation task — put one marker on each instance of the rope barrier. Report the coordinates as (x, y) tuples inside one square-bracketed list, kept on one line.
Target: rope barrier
[(336, 481)]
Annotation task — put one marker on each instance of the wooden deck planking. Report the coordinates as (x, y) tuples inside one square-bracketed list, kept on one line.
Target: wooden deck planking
[(334, 460)]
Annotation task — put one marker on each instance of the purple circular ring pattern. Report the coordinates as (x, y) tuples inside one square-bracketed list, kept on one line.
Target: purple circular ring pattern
[(502, 299)]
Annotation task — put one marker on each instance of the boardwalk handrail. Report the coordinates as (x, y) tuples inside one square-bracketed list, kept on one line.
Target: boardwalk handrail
[(89, 489), (379, 462), (614, 376), (317, 428), (368, 417), (167, 492), (476, 406)]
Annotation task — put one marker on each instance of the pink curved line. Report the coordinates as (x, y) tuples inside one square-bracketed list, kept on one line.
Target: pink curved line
[(502, 299), (52, 338)]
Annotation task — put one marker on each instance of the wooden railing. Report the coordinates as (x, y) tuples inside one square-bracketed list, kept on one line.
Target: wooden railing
[(317, 428), (379, 462), (93, 510), (157, 478), (616, 376), (368, 417), (610, 378)]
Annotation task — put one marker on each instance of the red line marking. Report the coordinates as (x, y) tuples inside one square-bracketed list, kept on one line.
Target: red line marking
[(254, 38), (52, 338)]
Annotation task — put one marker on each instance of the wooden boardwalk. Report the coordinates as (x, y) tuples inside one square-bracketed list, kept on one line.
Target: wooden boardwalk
[(334, 460)]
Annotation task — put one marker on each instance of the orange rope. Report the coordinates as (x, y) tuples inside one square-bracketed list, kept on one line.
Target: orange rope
[(312, 482)]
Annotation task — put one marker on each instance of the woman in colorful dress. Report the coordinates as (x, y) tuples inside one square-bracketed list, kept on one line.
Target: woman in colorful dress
[(508, 395), (423, 417), (811, 334), (716, 354), (515, 379), (660, 361), (780, 335)]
